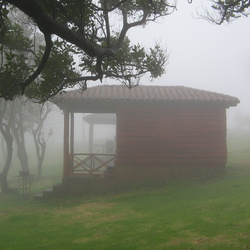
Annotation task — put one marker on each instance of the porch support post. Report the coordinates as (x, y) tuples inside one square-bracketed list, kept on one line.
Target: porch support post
[(72, 133), (66, 144), (72, 139), (91, 137)]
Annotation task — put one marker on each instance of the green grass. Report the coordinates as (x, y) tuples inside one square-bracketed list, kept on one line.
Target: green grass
[(200, 215), (211, 215)]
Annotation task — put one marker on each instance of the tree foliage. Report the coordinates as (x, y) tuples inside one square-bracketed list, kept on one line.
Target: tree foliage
[(227, 10), (94, 32), (20, 60)]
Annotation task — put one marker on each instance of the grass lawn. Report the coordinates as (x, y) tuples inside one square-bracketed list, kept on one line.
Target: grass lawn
[(211, 215), (198, 215)]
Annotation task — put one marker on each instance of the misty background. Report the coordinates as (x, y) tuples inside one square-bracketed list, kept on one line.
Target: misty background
[(201, 55)]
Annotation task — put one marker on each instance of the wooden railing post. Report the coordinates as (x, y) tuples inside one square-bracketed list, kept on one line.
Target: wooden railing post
[(72, 139), (91, 136), (66, 144)]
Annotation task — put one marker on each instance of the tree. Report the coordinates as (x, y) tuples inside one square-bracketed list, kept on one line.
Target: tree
[(19, 128), (96, 32), (227, 10), (12, 126), (19, 58), (3, 149), (93, 30), (6, 120), (17, 118), (36, 118)]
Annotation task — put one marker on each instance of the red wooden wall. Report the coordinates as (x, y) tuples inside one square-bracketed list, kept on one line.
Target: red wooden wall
[(156, 138)]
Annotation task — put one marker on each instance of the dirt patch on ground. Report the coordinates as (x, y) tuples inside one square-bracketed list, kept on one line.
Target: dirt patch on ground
[(95, 213), (197, 240)]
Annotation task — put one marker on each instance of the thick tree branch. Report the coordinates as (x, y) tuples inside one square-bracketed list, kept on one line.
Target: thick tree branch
[(82, 78), (106, 18), (87, 30), (110, 9), (127, 26), (42, 64), (47, 24), (37, 72)]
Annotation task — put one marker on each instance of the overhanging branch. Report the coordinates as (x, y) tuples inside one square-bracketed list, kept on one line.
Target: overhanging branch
[(42, 64), (36, 73), (35, 10)]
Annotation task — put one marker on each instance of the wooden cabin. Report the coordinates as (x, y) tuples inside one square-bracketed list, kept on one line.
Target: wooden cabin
[(161, 131)]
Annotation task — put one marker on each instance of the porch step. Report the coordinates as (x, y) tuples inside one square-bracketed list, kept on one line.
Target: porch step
[(57, 187), (38, 197), (55, 191), (48, 192)]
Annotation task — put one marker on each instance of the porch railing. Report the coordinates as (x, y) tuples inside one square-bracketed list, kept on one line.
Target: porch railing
[(92, 164)]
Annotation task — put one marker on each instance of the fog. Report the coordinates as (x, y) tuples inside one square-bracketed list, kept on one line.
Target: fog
[(102, 134), (201, 55)]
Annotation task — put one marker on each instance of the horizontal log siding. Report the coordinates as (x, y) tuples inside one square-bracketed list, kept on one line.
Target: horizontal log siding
[(171, 136), (138, 134), (201, 136)]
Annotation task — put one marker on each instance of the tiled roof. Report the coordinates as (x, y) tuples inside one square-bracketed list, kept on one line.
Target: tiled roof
[(169, 94)]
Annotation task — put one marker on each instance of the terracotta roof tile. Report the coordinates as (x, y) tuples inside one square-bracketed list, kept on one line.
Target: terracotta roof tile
[(149, 93), (106, 99)]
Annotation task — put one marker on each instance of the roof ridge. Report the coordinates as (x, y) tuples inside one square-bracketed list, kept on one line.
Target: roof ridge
[(149, 93)]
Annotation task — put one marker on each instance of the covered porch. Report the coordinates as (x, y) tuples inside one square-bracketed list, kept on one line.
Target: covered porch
[(98, 160)]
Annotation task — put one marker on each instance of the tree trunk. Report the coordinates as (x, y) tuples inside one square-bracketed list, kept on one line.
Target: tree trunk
[(39, 138), (3, 179), (5, 129), (21, 150), (3, 149), (18, 131), (40, 152)]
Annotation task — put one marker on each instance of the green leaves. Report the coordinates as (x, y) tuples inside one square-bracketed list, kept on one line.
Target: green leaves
[(20, 60), (156, 61), (91, 32), (228, 10), (16, 64), (59, 68), (133, 61)]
